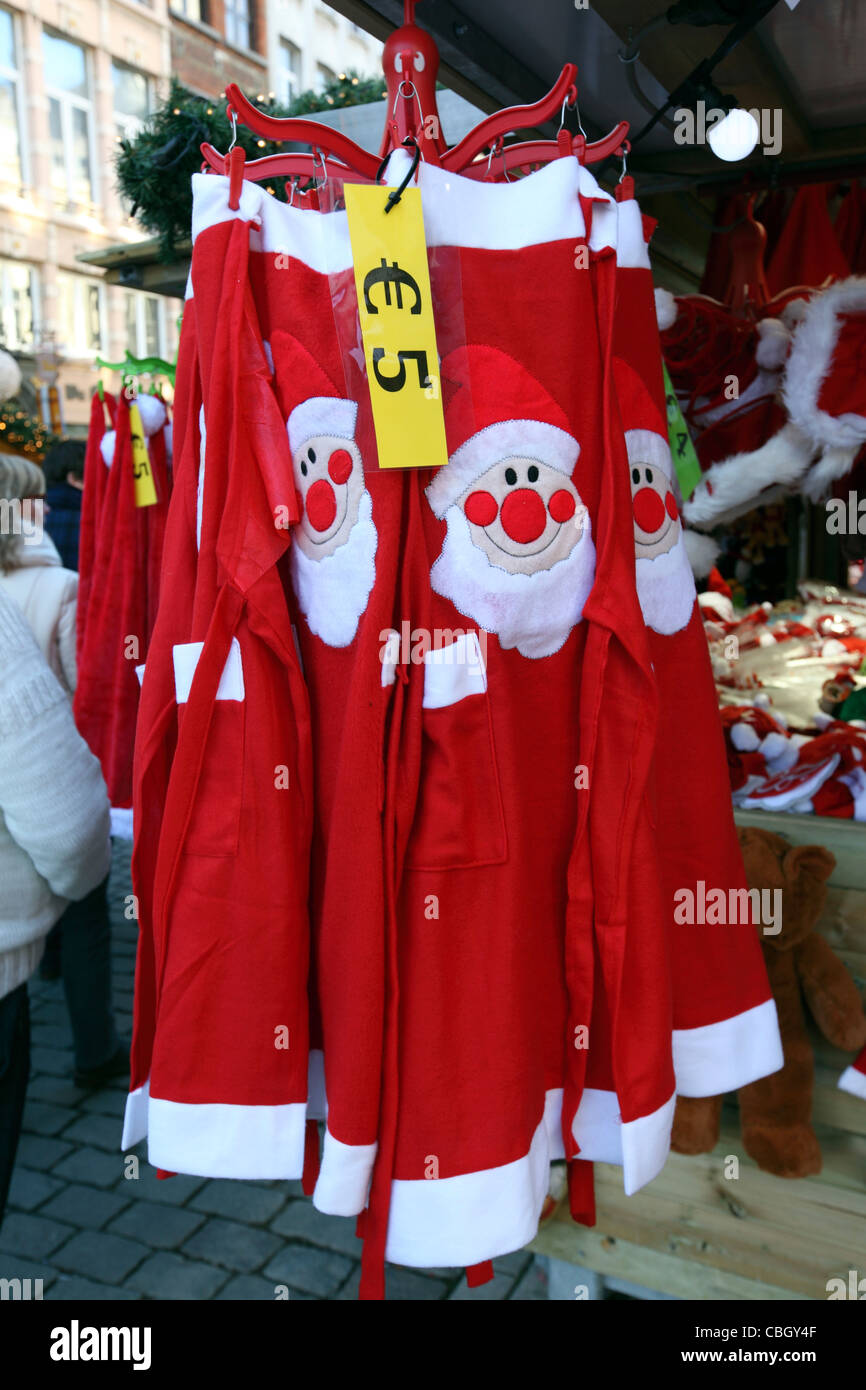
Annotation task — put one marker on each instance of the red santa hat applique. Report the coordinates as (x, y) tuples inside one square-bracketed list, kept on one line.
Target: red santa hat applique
[(480, 385), (665, 584), (310, 401)]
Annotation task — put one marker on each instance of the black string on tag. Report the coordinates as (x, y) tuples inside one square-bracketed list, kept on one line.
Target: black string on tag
[(397, 193)]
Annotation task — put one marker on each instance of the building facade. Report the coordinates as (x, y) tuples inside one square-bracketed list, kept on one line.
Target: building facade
[(267, 46), (77, 75)]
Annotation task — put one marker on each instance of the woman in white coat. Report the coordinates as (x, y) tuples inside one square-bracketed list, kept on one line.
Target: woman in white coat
[(54, 843), (79, 947)]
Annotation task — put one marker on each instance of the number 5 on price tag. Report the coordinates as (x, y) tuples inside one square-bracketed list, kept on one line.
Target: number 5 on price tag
[(395, 306), (145, 488)]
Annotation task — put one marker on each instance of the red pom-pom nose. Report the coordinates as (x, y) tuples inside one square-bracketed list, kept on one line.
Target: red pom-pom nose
[(321, 505), (649, 510), (671, 507), (480, 508), (523, 516), (340, 466), (561, 505)]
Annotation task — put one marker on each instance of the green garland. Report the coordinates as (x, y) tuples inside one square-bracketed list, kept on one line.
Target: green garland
[(154, 169), (21, 433)]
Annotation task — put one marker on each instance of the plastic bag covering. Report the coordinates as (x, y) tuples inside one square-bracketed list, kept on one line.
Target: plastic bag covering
[(445, 282)]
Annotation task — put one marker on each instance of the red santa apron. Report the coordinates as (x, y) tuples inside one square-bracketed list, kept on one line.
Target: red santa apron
[(725, 1030), (223, 790)]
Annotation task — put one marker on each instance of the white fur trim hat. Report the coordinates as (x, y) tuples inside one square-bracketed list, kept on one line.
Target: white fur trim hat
[(321, 415), (824, 389), (509, 439), (647, 447)]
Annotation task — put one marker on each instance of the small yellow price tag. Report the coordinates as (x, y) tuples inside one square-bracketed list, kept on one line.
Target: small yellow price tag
[(145, 488), (395, 305)]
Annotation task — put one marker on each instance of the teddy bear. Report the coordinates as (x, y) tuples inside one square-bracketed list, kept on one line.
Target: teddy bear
[(775, 1112)]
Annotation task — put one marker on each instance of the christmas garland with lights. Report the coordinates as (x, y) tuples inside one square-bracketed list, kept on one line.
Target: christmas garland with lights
[(21, 433), (154, 169)]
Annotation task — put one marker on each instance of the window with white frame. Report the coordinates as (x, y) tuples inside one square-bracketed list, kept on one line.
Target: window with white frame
[(190, 9), (67, 87), (145, 324), (18, 305), (10, 141), (288, 71), (238, 28), (132, 99), (79, 315)]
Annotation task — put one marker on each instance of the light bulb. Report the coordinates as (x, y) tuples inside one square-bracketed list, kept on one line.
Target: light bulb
[(735, 136)]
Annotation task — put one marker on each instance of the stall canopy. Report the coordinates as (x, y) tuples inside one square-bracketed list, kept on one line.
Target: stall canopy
[(795, 63)]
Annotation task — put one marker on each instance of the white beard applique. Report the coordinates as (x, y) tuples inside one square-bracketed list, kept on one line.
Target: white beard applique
[(533, 612), (333, 592), (666, 589)]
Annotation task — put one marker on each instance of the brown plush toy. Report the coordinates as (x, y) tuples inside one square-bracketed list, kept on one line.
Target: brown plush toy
[(776, 1112)]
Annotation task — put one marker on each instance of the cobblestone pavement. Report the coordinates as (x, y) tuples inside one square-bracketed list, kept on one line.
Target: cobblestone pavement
[(88, 1232)]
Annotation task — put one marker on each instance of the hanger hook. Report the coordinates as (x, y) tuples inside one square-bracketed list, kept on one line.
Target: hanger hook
[(317, 155), (623, 151), (413, 91), (233, 117), (572, 92)]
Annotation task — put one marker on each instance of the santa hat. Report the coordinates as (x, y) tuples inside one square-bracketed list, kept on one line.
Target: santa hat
[(480, 384), (853, 1078), (646, 434), (309, 399), (825, 384)]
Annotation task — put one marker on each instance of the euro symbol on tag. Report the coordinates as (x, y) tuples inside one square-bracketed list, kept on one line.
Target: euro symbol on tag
[(387, 275)]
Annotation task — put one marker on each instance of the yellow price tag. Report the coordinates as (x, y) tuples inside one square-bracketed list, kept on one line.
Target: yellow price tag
[(395, 305), (145, 488)]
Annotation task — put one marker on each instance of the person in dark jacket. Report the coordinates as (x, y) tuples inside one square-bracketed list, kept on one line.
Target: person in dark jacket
[(63, 467)]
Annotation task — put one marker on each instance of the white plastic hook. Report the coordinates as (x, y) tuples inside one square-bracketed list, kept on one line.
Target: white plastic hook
[(233, 117)]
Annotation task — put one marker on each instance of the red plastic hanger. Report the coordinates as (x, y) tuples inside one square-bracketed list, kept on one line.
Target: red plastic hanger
[(534, 152), (410, 61)]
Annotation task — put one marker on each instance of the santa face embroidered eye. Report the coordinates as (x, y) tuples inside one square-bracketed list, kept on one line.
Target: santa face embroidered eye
[(304, 469), (311, 455), (526, 525)]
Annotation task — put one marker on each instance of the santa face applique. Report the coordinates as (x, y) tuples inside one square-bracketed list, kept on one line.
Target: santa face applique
[(524, 515), (329, 479), (518, 557), (665, 584), (655, 511), (333, 555)]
